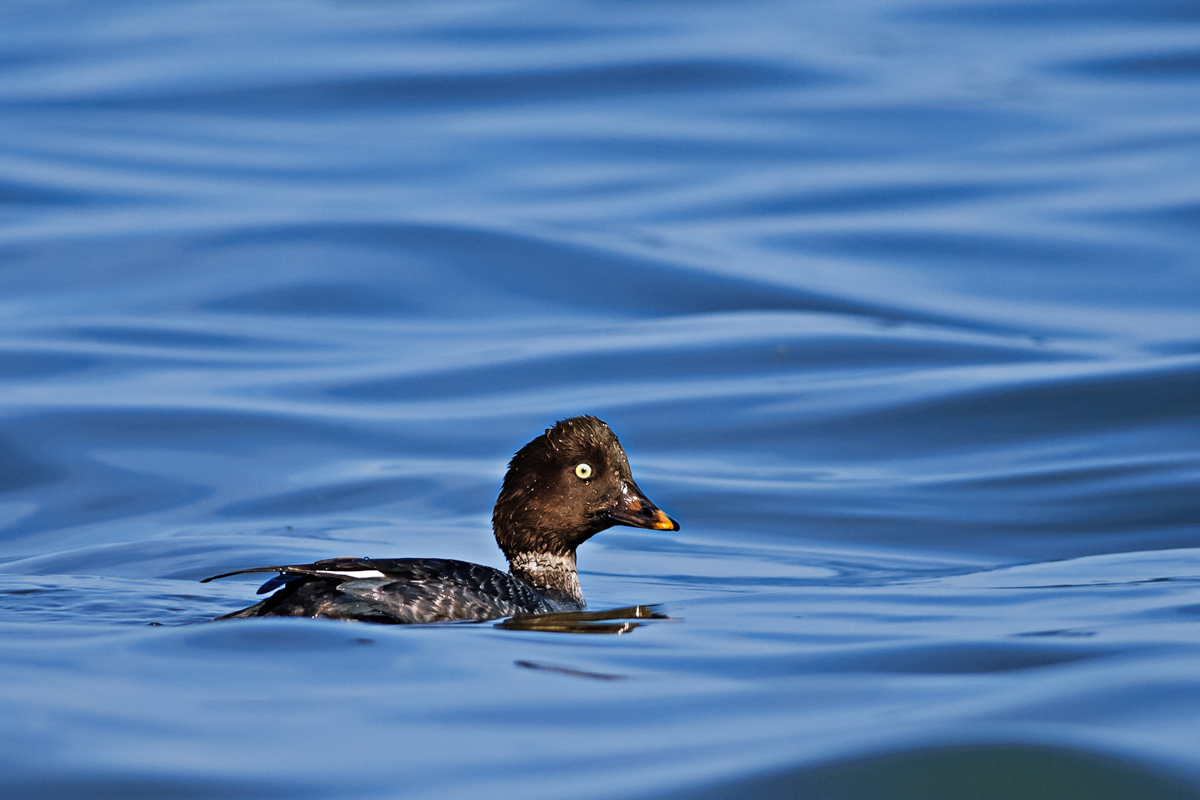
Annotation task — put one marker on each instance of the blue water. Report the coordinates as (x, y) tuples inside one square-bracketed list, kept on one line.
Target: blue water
[(894, 305)]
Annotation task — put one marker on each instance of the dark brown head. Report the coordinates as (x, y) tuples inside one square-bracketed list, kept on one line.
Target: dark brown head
[(567, 485)]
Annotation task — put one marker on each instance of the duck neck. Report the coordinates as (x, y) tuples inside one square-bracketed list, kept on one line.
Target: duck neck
[(552, 575)]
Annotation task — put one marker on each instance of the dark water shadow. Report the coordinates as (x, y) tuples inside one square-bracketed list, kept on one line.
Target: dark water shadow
[(148, 787), (1076, 13), (21, 470), (1156, 66), (558, 669), (961, 658), (439, 91), (462, 270), (966, 772)]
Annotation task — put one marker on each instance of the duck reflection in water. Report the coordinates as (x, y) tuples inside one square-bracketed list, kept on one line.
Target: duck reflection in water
[(561, 489), (615, 620)]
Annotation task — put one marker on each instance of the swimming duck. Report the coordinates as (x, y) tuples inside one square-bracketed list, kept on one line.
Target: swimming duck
[(561, 489)]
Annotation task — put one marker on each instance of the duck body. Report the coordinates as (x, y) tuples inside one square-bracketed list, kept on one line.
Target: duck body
[(562, 488), (398, 590)]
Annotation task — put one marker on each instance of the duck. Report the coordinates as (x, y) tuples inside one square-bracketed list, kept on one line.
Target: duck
[(560, 489)]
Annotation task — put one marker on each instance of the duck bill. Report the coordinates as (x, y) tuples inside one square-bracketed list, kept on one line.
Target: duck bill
[(635, 510)]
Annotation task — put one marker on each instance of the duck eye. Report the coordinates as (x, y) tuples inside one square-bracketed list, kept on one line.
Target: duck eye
[(583, 471)]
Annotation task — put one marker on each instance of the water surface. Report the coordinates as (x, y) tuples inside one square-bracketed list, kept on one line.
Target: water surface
[(894, 306)]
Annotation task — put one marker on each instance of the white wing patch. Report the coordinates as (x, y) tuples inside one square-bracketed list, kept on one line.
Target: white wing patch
[(351, 573)]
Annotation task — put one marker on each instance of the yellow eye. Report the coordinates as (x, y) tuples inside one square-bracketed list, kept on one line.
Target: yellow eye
[(583, 471)]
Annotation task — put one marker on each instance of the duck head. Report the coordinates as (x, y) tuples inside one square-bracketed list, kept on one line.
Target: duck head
[(567, 485)]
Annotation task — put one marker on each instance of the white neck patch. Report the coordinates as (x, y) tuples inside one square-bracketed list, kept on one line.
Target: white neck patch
[(545, 570)]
